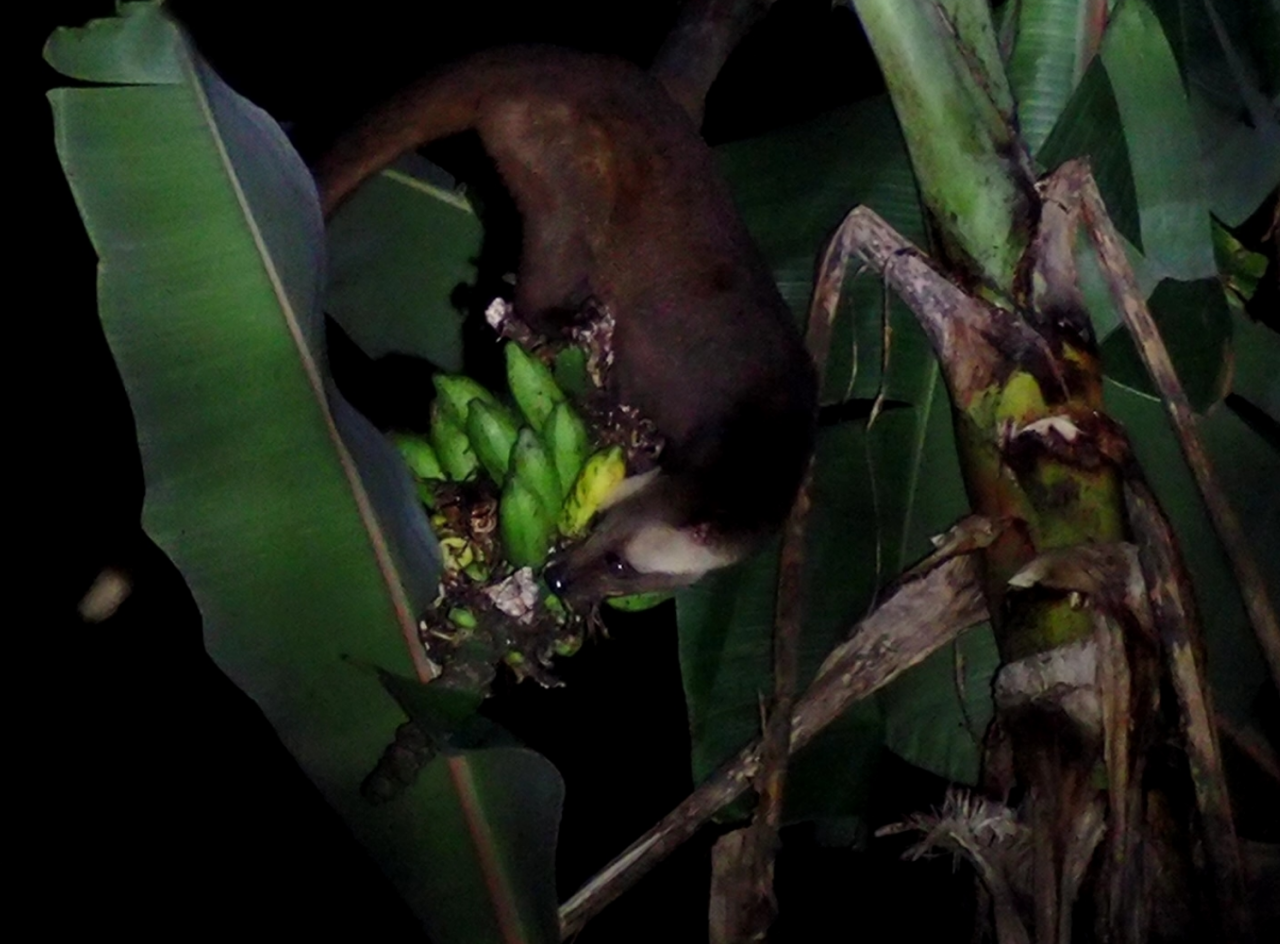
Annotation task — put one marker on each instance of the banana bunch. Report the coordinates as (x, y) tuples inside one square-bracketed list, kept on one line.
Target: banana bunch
[(537, 454)]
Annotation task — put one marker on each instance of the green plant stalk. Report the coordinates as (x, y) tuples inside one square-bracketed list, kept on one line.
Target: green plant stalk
[(1055, 498), (971, 167)]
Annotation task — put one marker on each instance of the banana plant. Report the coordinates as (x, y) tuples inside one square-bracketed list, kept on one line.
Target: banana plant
[(959, 110)]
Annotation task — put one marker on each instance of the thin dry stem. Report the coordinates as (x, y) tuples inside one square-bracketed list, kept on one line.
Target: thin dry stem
[(743, 904), (1137, 317), (923, 614)]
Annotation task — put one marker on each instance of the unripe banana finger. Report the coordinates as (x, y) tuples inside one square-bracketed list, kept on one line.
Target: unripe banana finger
[(493, 433), (451, 445), (457, 553), (534, 467), (566, 437), (568, 645), (534, 389), (463, 618), (422, 460), (526, 525), (455, 392)]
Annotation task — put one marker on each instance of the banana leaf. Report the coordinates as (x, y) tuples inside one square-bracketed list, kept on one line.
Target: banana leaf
[(1052, 43), (291, 518), (397, 249)]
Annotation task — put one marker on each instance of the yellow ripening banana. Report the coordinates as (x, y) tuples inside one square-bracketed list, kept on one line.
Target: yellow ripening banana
[(492, 431), (532, 385), (457, 552), (601, 474)]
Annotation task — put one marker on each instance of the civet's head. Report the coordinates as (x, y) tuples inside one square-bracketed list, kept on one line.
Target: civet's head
[(649, 537)]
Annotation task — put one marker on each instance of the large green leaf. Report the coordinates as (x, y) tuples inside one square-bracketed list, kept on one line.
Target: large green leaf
[(486, 824), (1090, 127), (1164, 149), (1053, 42), (931, 719), (1131, 118), (291, 518), (791, 207), (397, 249), (1229, 54), (937, 714), (724, 621), (1256, 377)]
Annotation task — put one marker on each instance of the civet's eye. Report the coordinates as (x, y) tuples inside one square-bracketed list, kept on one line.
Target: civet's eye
[(617, 566)]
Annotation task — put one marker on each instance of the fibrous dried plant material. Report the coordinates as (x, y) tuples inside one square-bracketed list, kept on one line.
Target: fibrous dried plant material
[(989, 837)]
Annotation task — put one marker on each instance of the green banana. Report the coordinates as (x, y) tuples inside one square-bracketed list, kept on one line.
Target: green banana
[(600, 475), (532, 385), (492, 431), (526, 525), (533, 466), (570, 371), (566, 437), (422, 460), (635, 602), (456, 392), (451, 444), (463, 618)]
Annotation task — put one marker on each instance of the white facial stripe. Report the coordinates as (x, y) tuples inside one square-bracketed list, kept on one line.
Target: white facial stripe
[(631, 485), (662, 549)]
